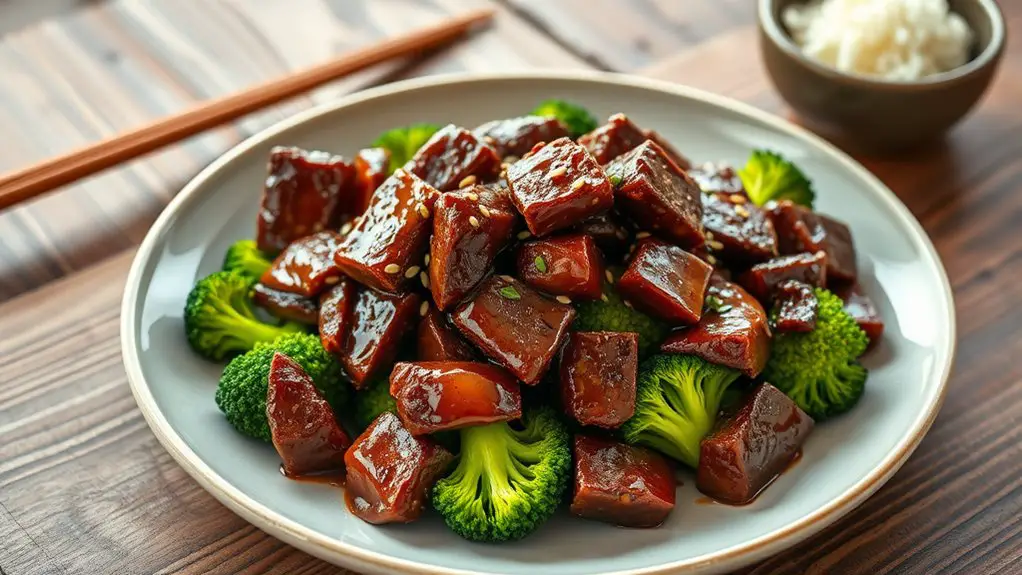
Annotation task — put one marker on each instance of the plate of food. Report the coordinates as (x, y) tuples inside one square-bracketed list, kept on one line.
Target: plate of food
[(564, 323)]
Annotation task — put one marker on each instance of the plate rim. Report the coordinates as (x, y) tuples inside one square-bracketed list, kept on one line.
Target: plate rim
[(334, 550)]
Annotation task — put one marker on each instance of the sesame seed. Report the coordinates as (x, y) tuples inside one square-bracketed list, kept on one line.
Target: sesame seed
[(410, 272), (564, 299), (741, 211), (708, 235), (424, 308), (578, 183), (473, 196), (557, 172), (628, 304), (423, 210), (524, 234), (738, 199), (426, 260), (474, 221), (507, 278), (642, 235), (484, 211), (595, 201), (610, 276), (510, 159), (346, 228), (504, 166), (317, 227), (424, 278), (711, 260), (489, 140), (503, 174), (332, 280), (621, 234), (604, 297), (618, 117), (392, 268), (468, 181), (715, 245)]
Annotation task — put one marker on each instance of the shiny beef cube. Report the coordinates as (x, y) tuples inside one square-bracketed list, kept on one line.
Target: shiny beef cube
[(558, 186), (718, 179), (679, 158), (467, 236), (621, 484), (861, 307), (286, 305), (666, 282), (302, 424), (737, 230), (435, 396), (515, 326), (306, 266), (620, 135), (796, 306), (516, 136), (305, 192), (658, 195), (800, 229), (391, 237), (763, 279), (439, 341), (378, 324), (752, 447), (607, 231), (736, 334), (562, 265), (598, 371), (390, 471), (372, 165), (453, 155), (335, 315)]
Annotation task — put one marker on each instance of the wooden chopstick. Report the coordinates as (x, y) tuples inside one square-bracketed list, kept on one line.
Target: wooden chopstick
[(45, 176)]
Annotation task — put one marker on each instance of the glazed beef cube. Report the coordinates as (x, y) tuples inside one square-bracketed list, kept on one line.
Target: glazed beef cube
[(598, 371), (666, 282), (752, 447), (796, 307), (563, 265), (736, 334), (378, 324), (305, 192), (389, 472), (306, 267), (467, 235), (335, 314), (607, 231), (286, 305), (453, 155), (302, 424), (516, 136), (391, 237), (515, 326), (713, 179), (371, 168), (620, 136), (434, 396), (673, 152), (558, 186), (737, 230), (621, 484), (763, 279), (800, 229), (438, 341), (859, 306), (658, 195)]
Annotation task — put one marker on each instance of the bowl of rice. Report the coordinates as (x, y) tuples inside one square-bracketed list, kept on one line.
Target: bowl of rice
[(881, 75)]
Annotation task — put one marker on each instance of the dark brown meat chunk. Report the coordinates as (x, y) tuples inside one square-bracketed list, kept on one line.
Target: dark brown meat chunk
[(738, 231), (517, 136), (558, 186), (763, 279), (389, 472), (392, 235), (666, 282), (302, 424), (452, 155), (752, 447), (861, 307), (620, 136), (305, 192), (713, 179), (335, 314), (800, 229), (607, 231), (438, 341), (378, 324), (371, 168), (562, 265), (515, 326), (598, 371), (679, 158), (621, 484), (306, 266), (286, 305), (796, 307)]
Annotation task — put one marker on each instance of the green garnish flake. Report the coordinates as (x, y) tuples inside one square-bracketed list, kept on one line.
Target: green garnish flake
[(615, 180), (510, 292), (716, 304), (541, 264)]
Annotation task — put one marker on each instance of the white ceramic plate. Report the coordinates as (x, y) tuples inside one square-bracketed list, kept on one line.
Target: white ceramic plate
[(844, 461)]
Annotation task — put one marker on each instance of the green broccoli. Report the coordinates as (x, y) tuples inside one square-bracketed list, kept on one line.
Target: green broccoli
[(509, 478), (769, 176), (577, 119), (219, 320), (402, 143), (371, 402), (244, 257), (676, 404), (818, 369), (612, 314), (241, 393)]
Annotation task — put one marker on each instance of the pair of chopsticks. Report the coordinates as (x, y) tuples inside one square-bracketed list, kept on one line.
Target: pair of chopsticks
[(35, 180)]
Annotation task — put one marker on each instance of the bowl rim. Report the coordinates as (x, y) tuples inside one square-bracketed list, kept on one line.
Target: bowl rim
[(302, 537), (780, 38)]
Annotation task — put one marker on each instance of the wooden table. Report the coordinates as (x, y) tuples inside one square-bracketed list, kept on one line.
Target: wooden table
[(86, 488)]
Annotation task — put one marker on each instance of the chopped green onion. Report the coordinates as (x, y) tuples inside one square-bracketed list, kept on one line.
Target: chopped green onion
[(541, 264), (510, 292)]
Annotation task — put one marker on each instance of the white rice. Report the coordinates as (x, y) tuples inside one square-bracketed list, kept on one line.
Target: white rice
[(890, 39)]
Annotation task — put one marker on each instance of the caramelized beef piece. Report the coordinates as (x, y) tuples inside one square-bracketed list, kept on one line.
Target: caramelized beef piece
[(378, 324), (859, 306), (286, 305), (752, 447), (796, 307), (391, 236), (302, 424), (762, 279), (713, 179), (434, 396), (305, 192), (563, 265), (658, 195), (620, 136), (306, 267), (389, 472), (736, 334), (515, 326), (558, 186), (598, 371), (679, 158), (607, 231), (800, 229), (738, 231), (621, 484), (666, 282), (467, 235), (335, 315), (438, 341), (452, 155), (371, 168), (517, 136)]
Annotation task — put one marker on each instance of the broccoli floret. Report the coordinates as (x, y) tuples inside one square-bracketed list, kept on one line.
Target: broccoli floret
[(509, 478), (244, 257), (371, 402), (612, 314), (219, 320), (241, 393), (402, 143), (676, 404), (818, 369), (577, 119), (769, 176)]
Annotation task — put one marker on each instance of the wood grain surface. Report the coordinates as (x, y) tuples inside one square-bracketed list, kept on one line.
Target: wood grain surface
[(86, 488)]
